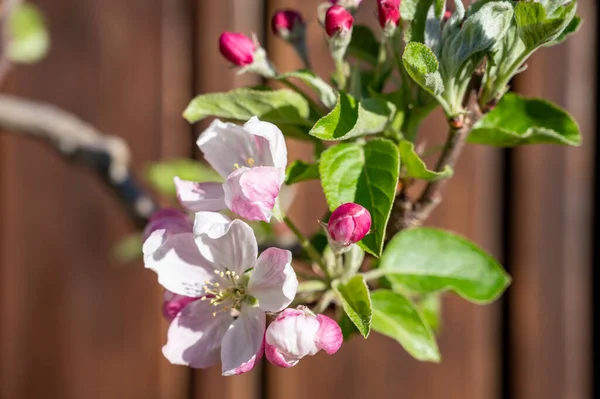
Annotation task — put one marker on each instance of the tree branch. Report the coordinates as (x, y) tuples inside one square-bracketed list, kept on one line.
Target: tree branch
[(406, 213), (107, 156)]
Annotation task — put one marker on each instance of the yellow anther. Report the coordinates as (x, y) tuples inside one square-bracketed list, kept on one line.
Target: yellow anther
[(203, 298), (216, 272), (236, 165), (250, 162), (216, 284)]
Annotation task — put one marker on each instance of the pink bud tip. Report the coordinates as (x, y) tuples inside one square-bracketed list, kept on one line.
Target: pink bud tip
[(349, 223), (237, 48), (447, 15), (285, 21), (337, 20), (389, 12)]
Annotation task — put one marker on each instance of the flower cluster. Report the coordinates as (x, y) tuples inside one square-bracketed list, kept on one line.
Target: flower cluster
[(218, 289)]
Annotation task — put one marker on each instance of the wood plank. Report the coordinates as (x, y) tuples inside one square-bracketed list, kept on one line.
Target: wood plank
[(552, 201), (379, 367), (74, 325)]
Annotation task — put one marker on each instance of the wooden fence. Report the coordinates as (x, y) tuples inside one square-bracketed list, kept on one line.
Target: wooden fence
[(74, 325)]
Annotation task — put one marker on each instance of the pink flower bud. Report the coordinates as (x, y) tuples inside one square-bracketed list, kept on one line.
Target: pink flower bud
[(338, 21), (237, 48), (447, 15), (296, 333), (172, 220), (348, 224), (350, 4), (288, 24), (389, 13), (174, 303)]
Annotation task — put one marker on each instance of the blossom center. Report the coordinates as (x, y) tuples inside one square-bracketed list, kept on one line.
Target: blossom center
[(227, 294)]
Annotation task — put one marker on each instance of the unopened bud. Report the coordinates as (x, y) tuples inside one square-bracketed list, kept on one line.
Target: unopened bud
[(289, 25), (338, 21), (447, 15), (348, 224), (174, 303), (389, 15), (351, 5), (237, 48), (172, 220)]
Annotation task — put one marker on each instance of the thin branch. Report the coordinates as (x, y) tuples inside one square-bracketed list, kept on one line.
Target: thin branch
[(407, 213), (108, 156)]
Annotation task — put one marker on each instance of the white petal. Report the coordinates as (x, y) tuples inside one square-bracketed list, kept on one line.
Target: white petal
[(175, 258), (200, 196), (227, 146), (226, 244), (195, 335), (273, 281), (243, 343), (274, 136)]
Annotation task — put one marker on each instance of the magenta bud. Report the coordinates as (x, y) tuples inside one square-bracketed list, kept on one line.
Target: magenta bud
[(174, 303), (237, 48), (447, 15), (389, 13), (348, 224), (172, 220), (288, 24), (338, 20)]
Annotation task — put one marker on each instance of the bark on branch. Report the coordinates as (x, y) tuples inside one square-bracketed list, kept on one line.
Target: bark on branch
[(108, 156)]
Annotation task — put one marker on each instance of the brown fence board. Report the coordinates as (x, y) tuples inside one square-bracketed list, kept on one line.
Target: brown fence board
[(551, 257)]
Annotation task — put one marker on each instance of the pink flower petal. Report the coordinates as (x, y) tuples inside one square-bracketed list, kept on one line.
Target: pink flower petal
[(227, 146), (226, 244), (243, 343), (172, 220), (251, 192), (195, 335), (273, 281), (175, 258), (174, 303), (200, 196), (329, 336), (277, 358)]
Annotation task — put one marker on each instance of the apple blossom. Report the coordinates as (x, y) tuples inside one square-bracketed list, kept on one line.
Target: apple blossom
[(338, 21), (219, 261), (389, 15), (296, 333), (289, 25), (252, 160)]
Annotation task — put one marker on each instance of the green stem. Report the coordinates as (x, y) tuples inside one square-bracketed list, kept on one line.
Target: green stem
[(340, 75), (324, 302), (308, 247), (381, 56), (311, 103), (309, 286), (374, 274), (406, 86)]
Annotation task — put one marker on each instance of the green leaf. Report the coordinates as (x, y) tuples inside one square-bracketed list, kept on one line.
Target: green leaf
[(29, 39), (324, 91), (415, 167), (480, 32), (356, 301), (299, 171), (363, 44), (422, 65), (430, 306), (161, 174), (285, 108), (430, 260), (367, 175), (396, 316), (351, 118), (518, 120), (571, 29), (535, 28)]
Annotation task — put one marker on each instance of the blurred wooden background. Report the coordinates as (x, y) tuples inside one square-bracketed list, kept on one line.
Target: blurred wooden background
[(73, 325)]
